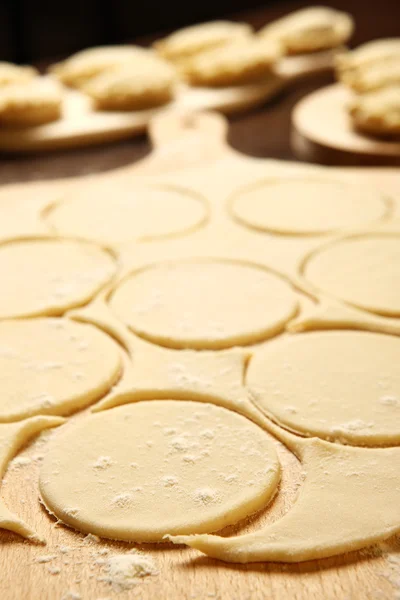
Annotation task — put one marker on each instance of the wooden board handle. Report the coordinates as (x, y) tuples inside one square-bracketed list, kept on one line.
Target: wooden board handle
[(171, 126)]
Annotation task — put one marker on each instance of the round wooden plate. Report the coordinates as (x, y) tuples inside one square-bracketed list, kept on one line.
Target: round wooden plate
[(322, 132)]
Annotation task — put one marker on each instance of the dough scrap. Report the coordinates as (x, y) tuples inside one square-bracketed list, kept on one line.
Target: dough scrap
[(236, 63), (47, 277), (363, 271), (133, 87), (10, 73), (99, 214), (142, 470), (377, 113), (342, 386), (306, 206), (53, 366), (350, 498), (195, 39), (30, 103), (12, 437), (310, 29), (204, 304), (79, 68)]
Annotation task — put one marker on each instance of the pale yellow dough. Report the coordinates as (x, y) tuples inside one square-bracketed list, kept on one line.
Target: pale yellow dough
[(350, 499), (97, 213), (338, 385), (204, 304), (195, 39), (375, 76), (53, 366), (362, 270), (143, 470), (47, 277), (310, 29), (306, 206), (12, 437), (350, 65)]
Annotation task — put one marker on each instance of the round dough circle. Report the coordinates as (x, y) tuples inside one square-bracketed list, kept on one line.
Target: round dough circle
[(204, 304), (101, 215), (47, 277), (363, 271), (142, 470), (53, 366), (301, 207), (337, 385)]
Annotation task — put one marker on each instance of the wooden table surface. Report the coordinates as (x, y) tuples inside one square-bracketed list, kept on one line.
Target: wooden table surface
[(263, 132)]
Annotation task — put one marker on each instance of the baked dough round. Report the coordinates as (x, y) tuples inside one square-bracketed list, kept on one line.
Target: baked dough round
[(33, 102), (375, 76), (79, 68), (366, 61), (306, 206), (10, 73), (237, 63), (377, 113), (204, 304), (337, 385), (310, 29), (97, 213), (133, 87), (195, 39), (140, 471), (47, 277), (53, 366), (363, 271)]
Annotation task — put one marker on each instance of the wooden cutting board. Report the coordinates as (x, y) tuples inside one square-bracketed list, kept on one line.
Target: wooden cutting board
[(322, 132), (81, 126), (190, 150)]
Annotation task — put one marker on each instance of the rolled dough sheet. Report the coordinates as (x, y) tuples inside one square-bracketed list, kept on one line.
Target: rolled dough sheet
[(362, 270), (53, 366), (47, 277), (337, 385), (12, 437), (204, 304), (113, 214), (142, 470), (307, 206)]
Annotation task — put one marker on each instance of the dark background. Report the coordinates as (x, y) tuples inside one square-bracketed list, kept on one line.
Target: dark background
[(31, 30)]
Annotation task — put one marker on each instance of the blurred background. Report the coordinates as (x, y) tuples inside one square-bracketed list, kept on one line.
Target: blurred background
[(35, 30)]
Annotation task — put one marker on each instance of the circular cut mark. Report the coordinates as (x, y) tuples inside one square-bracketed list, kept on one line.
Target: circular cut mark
[(301, 207), (363, 271), (140, 471), (337, 385), (109, 215), (47, 277), (204, 304), (53, 366)]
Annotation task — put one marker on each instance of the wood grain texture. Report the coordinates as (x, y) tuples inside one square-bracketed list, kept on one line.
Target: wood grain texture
[(77, 566)]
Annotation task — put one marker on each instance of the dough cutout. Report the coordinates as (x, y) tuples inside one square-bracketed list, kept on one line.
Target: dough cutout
[(363, 271), (12, 437), (307, 206), (100, 215), (30, 103), (377, 113), (341, 386), (54, 366), (204, 304), (47, 277), (11, 73), (184, 460)]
